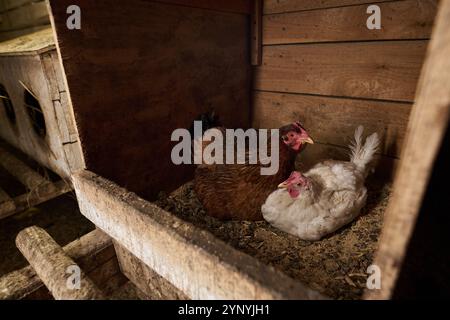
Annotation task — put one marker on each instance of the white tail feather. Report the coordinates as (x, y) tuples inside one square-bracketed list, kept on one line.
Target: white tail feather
[(362, 155)]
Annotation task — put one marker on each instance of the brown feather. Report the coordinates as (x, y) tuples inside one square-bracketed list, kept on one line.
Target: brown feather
[(237, 191)]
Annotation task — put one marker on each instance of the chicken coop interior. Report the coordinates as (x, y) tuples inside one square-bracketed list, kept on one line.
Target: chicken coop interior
[(88, 114)]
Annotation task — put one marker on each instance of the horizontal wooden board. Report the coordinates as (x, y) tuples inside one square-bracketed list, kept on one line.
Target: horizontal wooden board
[(236, 6), (334, 120), (11, 4), (29, 15), (277, 6), (381, 70), (411, 19), (30, 44), (7, 35)]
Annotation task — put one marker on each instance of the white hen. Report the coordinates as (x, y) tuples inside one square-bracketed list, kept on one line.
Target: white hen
[(325, 198)]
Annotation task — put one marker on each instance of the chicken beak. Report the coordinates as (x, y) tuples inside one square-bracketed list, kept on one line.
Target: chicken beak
[(309, 140), (283, 185)]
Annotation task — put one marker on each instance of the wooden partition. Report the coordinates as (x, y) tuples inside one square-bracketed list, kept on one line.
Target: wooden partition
[(412, 254), (322, 65), (137, 70)]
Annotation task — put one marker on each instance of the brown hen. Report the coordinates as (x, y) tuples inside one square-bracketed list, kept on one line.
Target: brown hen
[(237, 191)]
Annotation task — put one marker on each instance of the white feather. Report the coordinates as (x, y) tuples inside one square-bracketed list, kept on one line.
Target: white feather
[(362, 155)]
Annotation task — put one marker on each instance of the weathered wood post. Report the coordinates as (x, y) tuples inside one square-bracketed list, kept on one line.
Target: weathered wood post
[(51, 264)]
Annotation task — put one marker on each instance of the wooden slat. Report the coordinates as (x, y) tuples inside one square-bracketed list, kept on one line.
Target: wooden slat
[(333, 120), (277, 6), (429, 121), (6, 35), (27, 176), (30, 15), (235, 6), (380, 70), (12, 4), (29, 44), (411, 19), (37, 196)]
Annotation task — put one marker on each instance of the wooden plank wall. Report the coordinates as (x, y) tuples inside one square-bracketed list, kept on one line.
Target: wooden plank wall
[(322, 65), (158, 66), (19, 17)]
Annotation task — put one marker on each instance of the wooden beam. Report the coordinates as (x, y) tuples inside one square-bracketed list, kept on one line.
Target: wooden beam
[(427, 126), (27, 176), (40, 195), (192, 259), (51, 263), (91, 252)]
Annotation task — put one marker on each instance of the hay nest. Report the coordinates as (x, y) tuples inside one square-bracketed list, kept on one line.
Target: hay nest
[(335, 266)]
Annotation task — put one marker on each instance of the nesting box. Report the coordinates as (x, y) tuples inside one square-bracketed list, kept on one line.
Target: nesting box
[(34, 109), (137, 71)]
